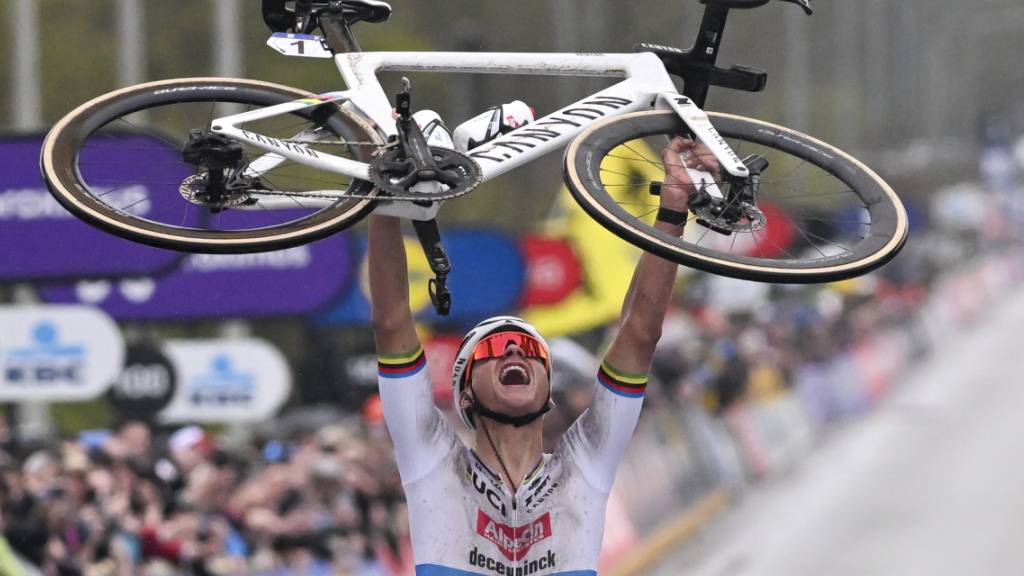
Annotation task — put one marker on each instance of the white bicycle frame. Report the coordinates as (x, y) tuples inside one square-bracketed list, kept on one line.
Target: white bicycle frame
[(646, 85)]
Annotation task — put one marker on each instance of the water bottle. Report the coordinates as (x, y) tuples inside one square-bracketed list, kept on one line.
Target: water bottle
[(492, 123), (433, 129)]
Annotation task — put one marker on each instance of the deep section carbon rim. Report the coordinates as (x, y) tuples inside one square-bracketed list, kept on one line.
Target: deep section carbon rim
[(822, 214), (121, 162)]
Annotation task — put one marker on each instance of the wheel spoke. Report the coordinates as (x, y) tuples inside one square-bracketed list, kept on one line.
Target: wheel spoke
[(633, 184), (150, 133), (184, 117), (289, 196), (644, 160), (641, 156)]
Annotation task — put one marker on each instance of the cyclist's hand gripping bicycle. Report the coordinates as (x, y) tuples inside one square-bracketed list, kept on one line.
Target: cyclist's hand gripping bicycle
[(226, 166)]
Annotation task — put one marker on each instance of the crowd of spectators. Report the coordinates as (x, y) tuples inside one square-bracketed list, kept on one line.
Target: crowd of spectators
[(327, 499), (324, 501)]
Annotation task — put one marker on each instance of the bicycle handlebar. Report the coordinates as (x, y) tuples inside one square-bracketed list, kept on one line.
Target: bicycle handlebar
[(697, 65), (746, 4)]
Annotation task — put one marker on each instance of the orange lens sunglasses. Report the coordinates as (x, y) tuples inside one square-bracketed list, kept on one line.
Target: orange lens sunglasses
[(494, 346)]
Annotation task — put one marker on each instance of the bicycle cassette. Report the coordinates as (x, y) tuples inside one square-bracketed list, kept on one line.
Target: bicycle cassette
[(398, 178)]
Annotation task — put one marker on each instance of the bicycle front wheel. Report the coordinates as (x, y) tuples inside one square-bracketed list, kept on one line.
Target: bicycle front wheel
[(144, 163), (821, 215)]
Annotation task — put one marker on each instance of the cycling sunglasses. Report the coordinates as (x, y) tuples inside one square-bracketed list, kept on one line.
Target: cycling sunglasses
[(494, 346)]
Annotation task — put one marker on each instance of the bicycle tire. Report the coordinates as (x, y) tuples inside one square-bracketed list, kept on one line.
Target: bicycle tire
[(884, 237), (59, 163)]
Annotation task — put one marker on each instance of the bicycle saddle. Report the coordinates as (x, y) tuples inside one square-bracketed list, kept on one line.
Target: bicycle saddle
[(744, 4), (741, 4), (372, 11), (303, 16)]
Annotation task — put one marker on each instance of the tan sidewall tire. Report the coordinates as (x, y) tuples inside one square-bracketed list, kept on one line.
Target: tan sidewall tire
[(581, 153), (59, 153)]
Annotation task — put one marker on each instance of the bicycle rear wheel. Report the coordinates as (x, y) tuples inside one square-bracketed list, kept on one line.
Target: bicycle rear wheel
[(824, 216), (137, 163)]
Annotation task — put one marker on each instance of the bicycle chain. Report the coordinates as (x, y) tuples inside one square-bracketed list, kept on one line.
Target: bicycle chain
[(340, 143), (401, 198)]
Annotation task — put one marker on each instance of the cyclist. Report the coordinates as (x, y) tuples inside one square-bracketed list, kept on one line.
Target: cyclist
[(505, 507)]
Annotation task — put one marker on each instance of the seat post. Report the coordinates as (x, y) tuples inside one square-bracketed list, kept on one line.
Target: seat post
[(338, 34)]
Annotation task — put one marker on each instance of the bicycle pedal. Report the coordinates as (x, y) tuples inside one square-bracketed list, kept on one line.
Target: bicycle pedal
[(403, 100)]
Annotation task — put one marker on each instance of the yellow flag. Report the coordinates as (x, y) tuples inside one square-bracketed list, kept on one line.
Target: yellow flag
[(607, 260)]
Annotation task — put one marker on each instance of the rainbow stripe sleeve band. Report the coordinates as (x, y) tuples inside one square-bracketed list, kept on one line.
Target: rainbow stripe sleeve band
[(628, 385), (396, 366)]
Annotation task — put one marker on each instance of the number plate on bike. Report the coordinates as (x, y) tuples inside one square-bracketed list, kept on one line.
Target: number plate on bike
[(304, 45)]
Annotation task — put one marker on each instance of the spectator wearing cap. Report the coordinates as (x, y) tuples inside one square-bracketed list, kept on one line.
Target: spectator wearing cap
[(189, 447)]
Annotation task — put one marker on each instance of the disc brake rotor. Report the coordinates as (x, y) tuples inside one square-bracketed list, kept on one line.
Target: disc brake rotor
[(740, 212), (194, 189), (751, 219)]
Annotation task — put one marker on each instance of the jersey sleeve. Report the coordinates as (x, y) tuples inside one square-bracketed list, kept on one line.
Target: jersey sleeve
[(420, 433), (598, 438)]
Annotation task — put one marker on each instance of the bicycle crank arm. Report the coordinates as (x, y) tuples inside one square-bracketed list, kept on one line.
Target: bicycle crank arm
[(414, 144), (430, 239)]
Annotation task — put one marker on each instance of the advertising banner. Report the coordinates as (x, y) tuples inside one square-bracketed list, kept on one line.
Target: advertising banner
[(440, 350), (146, 384), (42, 240), (606, 264), (226, 381), (57, 353), (288, 282), (487, 279), (553, 270)]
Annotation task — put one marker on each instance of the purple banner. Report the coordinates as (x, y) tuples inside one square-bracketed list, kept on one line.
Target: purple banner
[(288, 282), (42, 240)]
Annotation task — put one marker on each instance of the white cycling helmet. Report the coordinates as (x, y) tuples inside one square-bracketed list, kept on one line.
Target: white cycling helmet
[(460, 376)]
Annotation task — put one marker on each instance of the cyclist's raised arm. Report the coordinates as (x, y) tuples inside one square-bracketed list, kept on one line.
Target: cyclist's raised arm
[(419, 432), (393, 327), (650, 291), (602, 433)]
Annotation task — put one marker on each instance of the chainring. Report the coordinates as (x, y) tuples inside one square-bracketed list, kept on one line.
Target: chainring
[(393, 172)]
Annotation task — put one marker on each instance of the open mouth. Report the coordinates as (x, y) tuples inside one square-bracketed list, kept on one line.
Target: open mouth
[(514, 374)]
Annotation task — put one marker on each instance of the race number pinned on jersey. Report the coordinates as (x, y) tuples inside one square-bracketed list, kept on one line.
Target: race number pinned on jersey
[(304, 45)]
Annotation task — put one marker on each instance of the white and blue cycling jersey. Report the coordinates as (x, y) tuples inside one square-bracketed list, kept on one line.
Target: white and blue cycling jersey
[(463, 518)]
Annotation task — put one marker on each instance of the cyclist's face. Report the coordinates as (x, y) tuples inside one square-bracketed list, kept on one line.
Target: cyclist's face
[(513, 384)]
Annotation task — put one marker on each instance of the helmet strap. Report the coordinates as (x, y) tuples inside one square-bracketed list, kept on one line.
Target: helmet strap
[(479, 409), (516, 421), (515, 489)]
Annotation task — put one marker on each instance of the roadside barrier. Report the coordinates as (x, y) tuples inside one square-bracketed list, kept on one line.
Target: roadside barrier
[(756, 440)]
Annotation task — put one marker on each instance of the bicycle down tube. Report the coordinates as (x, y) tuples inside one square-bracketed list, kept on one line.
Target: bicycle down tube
[(645, 81)]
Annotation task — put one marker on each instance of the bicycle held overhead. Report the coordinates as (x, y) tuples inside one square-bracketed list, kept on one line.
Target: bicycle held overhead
[(263, 166)]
